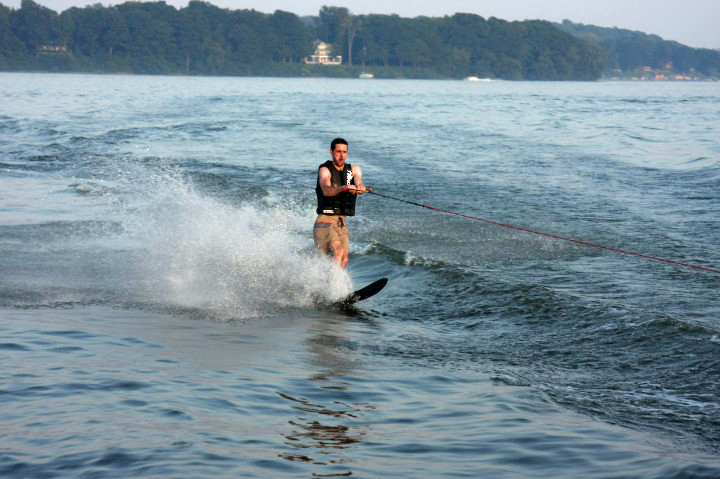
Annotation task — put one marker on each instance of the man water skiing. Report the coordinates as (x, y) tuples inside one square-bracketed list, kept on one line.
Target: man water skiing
[(338, 184)]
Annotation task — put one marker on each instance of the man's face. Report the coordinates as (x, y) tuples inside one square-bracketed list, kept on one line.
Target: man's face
[(339, 155)]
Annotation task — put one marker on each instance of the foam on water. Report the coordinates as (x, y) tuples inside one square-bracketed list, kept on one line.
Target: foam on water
[(235, 261), (158, 241)]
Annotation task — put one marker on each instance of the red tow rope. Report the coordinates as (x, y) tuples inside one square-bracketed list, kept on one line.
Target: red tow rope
[(548, 235)]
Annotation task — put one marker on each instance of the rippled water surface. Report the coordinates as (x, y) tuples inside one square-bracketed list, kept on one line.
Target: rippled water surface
[(161, 300)]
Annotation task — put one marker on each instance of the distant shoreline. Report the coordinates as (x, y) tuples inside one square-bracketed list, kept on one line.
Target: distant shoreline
[(375, 78)]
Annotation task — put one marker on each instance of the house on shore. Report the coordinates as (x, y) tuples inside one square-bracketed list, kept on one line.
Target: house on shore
[(323, 55), (52, 50)]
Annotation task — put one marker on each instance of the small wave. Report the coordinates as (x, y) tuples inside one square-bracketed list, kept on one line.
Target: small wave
[(509, 380), (414, 260), (643, 139), (13, 347), (394, 255), (197, 128), (90, 188), (664, 324)]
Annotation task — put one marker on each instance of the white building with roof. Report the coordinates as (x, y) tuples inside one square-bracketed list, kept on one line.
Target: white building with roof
[(323, 55)]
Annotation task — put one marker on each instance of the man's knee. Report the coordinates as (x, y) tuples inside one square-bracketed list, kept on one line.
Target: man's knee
[(336, 248), (339, 254)]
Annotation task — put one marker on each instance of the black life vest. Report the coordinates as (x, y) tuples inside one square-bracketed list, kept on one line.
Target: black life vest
[(342, 204)]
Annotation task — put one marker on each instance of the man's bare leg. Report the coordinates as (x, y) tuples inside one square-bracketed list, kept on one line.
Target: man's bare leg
[(339, 255)]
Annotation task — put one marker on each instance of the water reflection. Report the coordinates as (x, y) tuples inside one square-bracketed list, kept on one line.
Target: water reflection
[(328, 421)]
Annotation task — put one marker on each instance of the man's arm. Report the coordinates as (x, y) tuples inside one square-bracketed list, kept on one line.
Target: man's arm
[(325, 183), (329, 190), (358, 188)]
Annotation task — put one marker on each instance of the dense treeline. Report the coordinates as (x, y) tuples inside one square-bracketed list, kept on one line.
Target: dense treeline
[(629, 50), (153, 37), (150, 37), (466, 44)]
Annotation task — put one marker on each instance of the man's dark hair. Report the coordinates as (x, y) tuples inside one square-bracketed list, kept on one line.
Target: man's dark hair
[(337, 141)]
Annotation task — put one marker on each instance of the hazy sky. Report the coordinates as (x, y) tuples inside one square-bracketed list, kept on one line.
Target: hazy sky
[(695, 23)]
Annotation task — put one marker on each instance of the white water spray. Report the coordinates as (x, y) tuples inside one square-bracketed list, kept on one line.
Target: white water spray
[(194, 251)]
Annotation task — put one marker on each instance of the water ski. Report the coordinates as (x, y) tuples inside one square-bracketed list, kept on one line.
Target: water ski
[(361, 294)]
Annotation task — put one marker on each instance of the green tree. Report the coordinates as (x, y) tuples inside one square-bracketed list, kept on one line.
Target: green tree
[(331, 26), (34, 25), (293, 37), (250, 39), (629, 50), (352, 25), (193, 38), (508, 68), (151, 47), (12, 50), (90, 23)]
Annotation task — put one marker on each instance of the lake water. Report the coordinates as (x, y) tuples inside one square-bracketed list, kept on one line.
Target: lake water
[(159, 289)]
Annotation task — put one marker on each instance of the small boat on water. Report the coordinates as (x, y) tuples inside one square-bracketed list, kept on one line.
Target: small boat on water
[(477, 79), (366, 76)]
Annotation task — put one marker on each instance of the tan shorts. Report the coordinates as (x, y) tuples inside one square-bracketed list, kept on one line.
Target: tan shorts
[(328, 229)]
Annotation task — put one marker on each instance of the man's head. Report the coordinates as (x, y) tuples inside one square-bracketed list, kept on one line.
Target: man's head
[(339, 151), (337, 141)]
